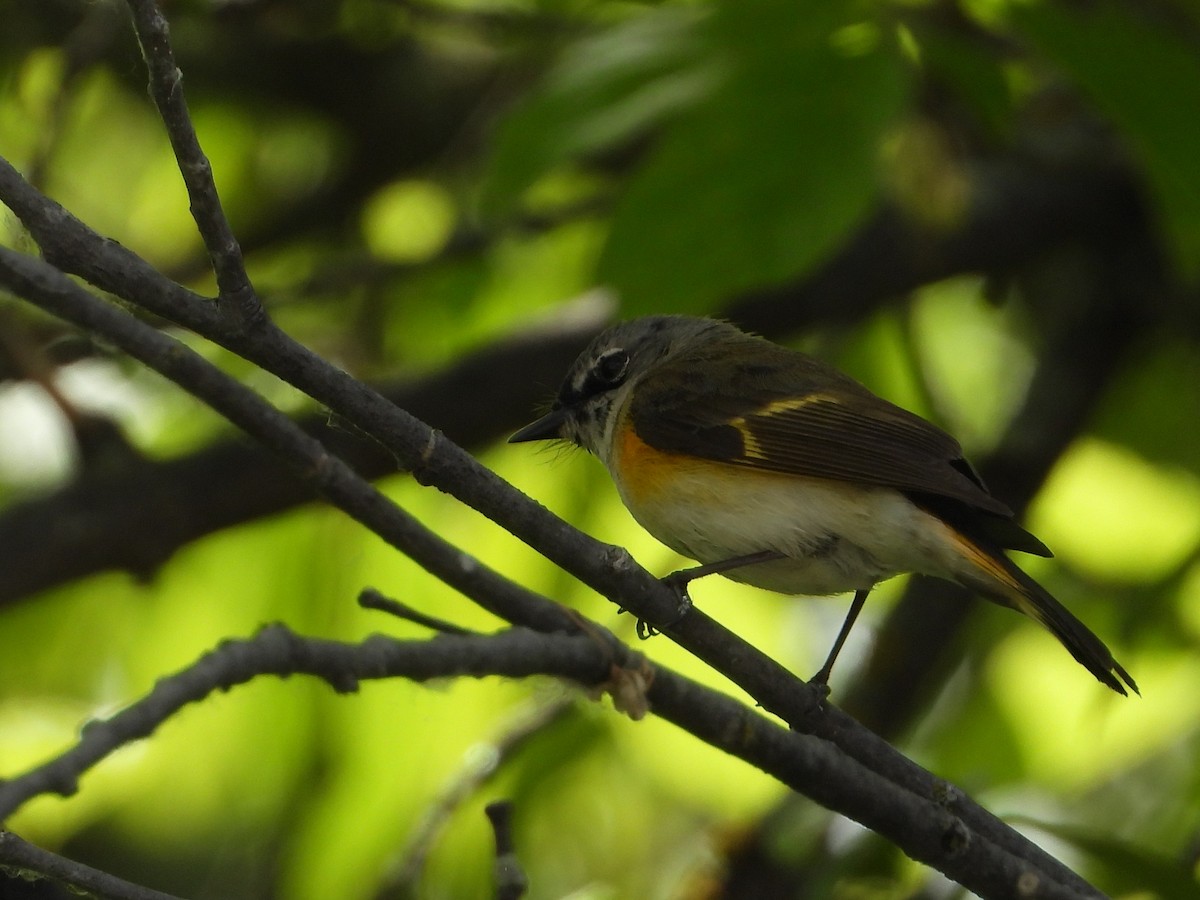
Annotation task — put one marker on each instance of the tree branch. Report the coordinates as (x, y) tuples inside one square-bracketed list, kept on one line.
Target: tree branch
[(875, 769), (276, 650), (929, 828)]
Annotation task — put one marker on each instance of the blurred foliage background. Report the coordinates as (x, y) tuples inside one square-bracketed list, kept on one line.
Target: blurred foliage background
[(987, 211)]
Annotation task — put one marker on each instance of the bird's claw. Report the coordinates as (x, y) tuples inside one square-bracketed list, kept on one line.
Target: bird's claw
[(678, 582)]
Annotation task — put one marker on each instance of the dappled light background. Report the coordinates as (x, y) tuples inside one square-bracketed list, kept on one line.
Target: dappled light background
[(416, 181)]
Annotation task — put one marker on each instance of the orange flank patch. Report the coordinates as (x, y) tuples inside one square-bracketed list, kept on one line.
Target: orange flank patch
[(642, 469), (645, 471)]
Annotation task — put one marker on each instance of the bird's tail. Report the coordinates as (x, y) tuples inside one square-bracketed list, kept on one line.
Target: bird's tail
[(999, 579)]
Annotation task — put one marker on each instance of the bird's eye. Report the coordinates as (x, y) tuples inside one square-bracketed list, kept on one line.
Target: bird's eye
[(611, 366)]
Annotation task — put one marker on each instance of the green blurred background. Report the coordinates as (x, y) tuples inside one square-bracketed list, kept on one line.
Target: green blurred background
[(988, 212)]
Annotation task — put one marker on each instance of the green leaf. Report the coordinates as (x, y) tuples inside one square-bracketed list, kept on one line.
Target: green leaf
[(1146, 79), (607, 89), (765, 175)]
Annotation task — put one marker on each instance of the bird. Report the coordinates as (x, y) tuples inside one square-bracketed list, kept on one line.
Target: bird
[(775, 469)]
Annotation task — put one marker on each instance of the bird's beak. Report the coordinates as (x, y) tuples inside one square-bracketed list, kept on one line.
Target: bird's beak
[(547, 427)]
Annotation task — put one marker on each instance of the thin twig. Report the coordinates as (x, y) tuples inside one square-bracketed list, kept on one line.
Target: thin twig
[(369, 598), (21, 857), (477, 770), (511, 882), (166, 87)]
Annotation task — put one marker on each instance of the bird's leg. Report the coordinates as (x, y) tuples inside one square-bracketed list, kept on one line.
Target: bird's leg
[(822, 676), (681, 579)]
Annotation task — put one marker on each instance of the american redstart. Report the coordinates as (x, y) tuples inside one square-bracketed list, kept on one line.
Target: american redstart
[(779, 471)]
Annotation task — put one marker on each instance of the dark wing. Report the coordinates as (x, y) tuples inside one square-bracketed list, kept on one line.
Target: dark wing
[(781, 411)]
